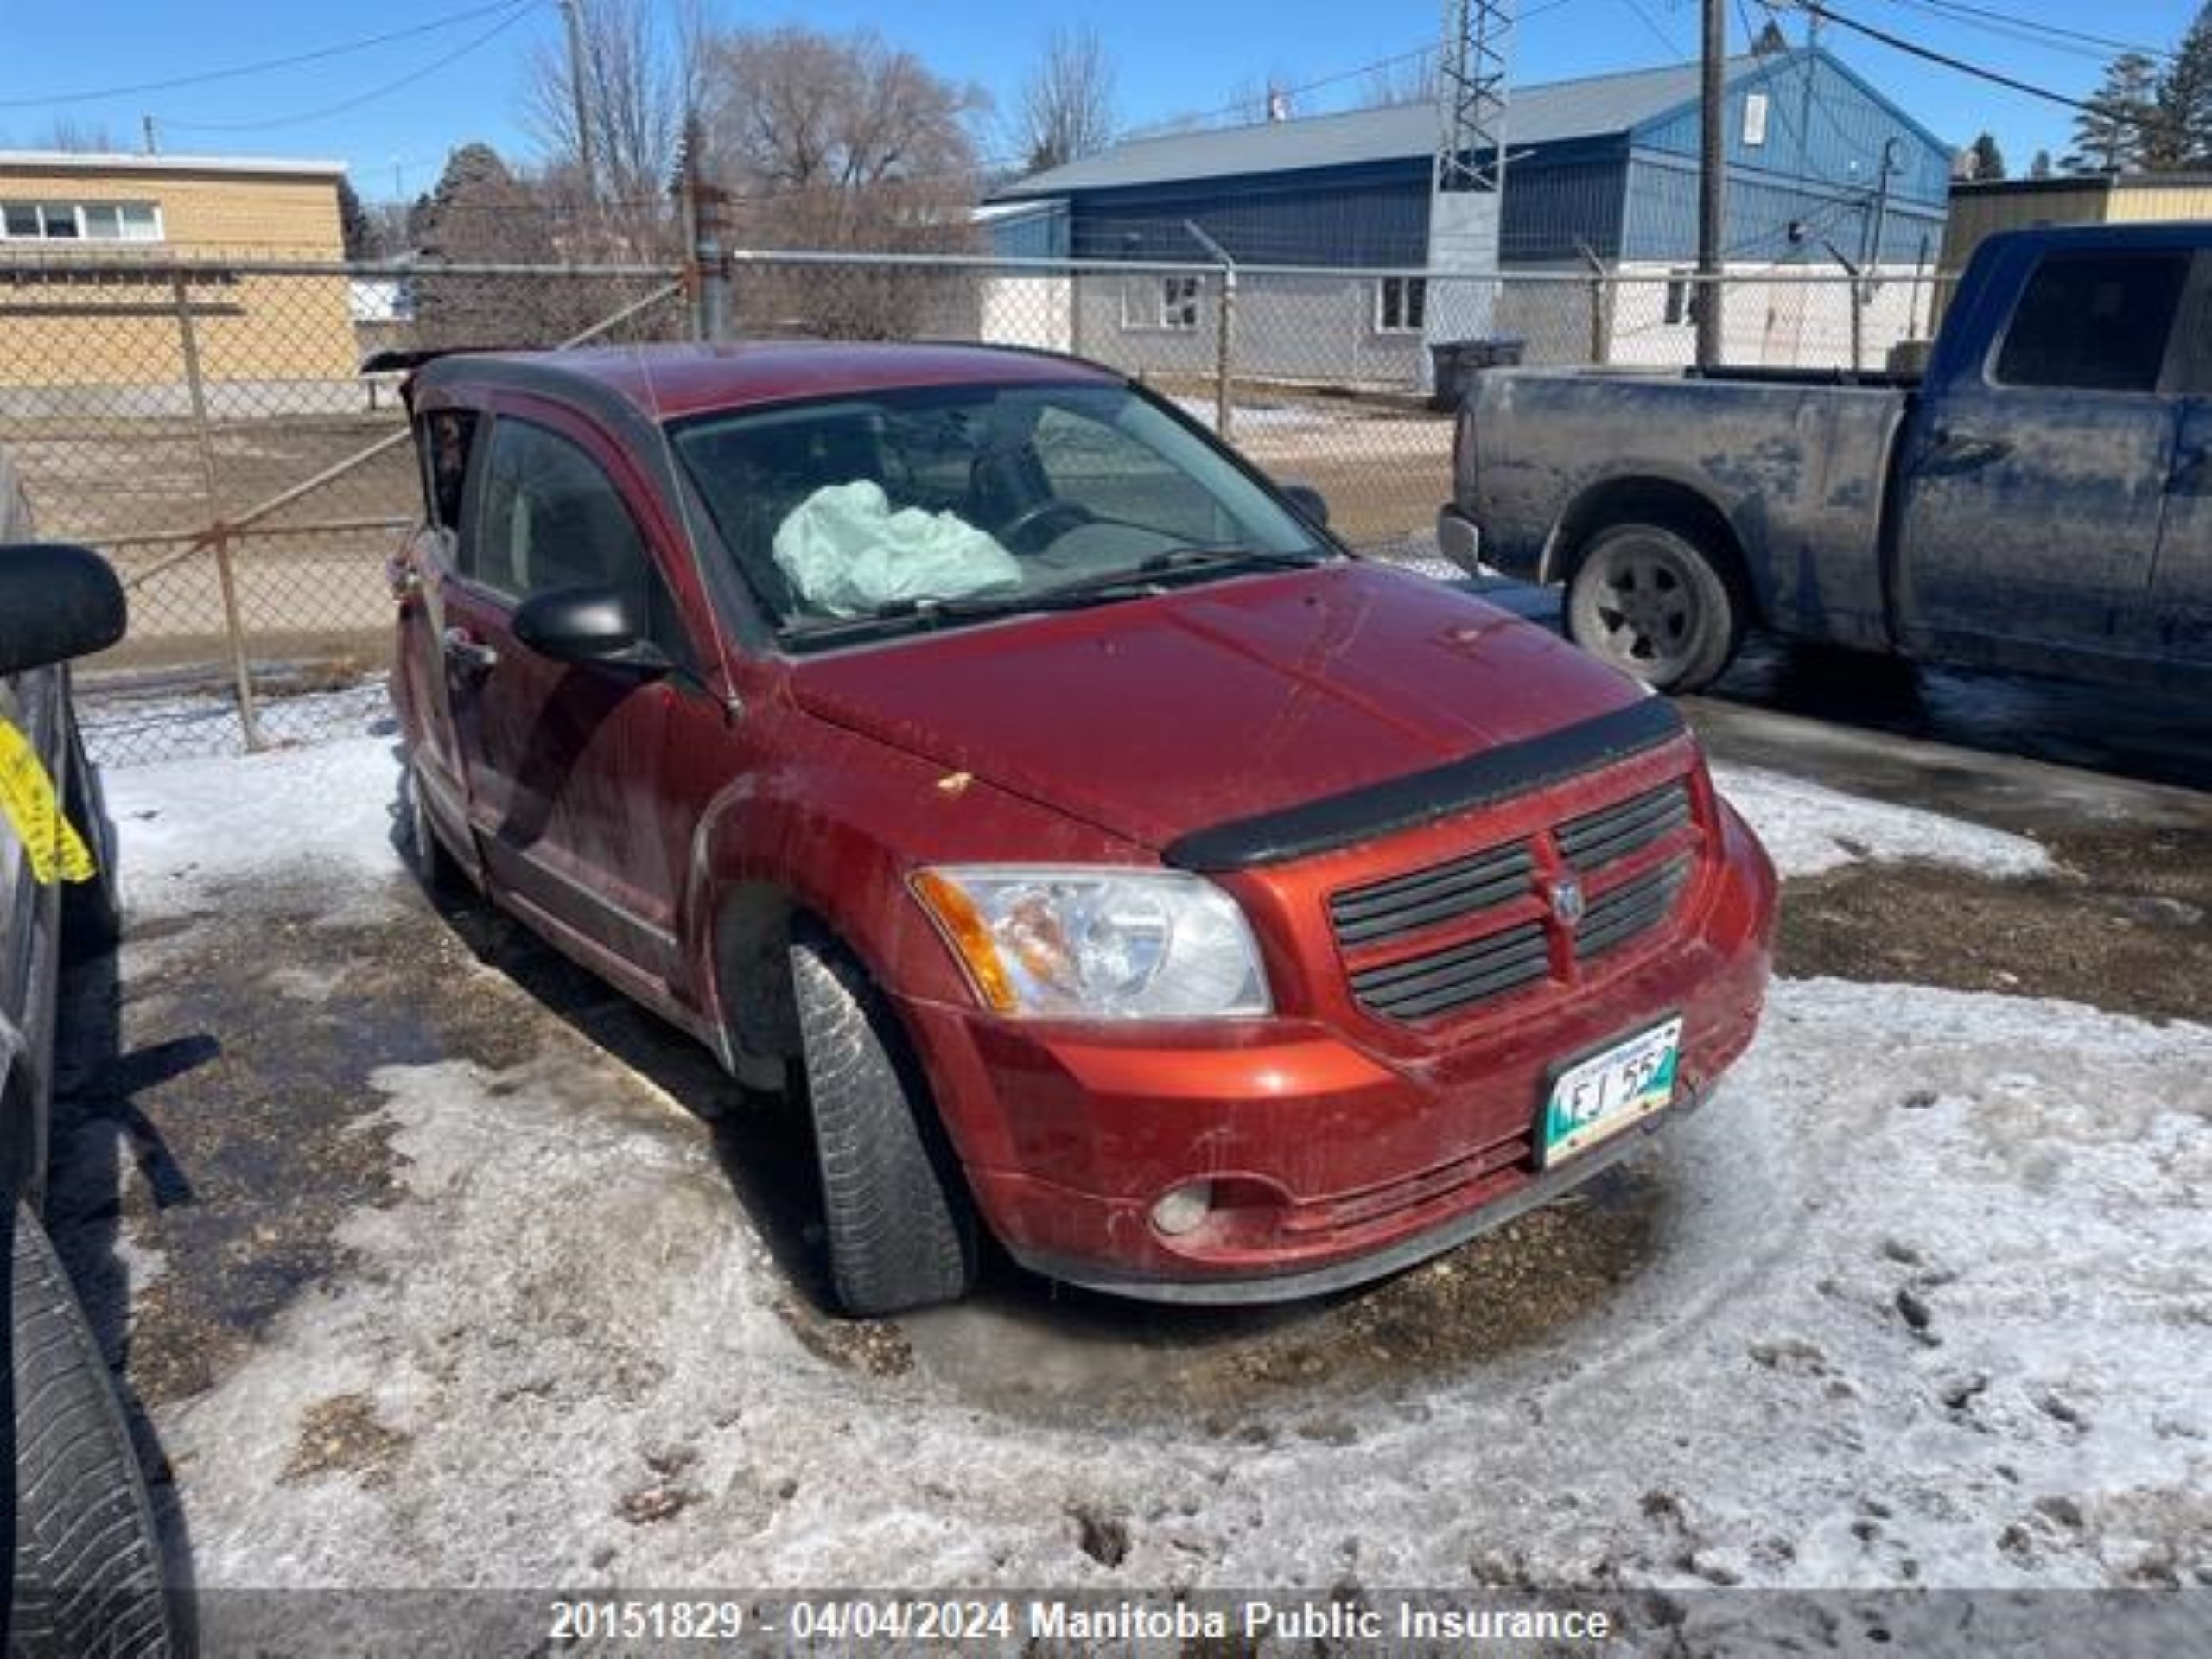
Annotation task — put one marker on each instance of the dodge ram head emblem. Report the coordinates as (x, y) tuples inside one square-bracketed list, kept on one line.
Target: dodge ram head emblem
[(1567, 903)]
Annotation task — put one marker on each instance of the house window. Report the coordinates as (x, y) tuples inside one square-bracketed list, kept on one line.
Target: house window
[(1178, 302), (1401, 304), (79, 221), (1161, 302), (1754, 120)]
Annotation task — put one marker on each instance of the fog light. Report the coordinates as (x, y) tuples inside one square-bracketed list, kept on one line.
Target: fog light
[(1183, 1209)]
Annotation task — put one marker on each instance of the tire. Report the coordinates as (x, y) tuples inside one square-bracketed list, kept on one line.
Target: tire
[(88, 1573), (438, 871), (902, 1230), (1656, 605)]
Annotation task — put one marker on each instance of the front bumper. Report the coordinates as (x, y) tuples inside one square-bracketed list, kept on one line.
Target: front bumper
[(1330, 1161), (1406, 1252)]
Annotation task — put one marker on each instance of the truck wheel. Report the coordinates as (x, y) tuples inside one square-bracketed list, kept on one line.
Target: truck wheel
[(1654, 605), (434, 867), (88, 1575), (902, 1232)]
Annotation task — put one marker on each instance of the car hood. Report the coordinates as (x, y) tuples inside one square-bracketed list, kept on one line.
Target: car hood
[(1152, 718)]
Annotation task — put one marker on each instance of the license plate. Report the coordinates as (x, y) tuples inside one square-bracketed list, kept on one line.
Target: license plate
[(1605, 1094)]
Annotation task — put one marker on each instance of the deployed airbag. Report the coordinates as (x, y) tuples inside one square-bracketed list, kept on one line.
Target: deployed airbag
[(846, 553)]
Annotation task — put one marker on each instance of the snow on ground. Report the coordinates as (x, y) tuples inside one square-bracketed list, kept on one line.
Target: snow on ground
[(1808, 828), (1927, 1304), (194, 832)]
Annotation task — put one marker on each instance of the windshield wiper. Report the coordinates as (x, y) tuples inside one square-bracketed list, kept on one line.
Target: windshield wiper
[(920, 613), (1225, 556), (1104, 588)]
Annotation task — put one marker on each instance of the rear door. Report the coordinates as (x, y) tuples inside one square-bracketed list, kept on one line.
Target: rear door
[(2034, 494), (2182, 587), (564, 764)]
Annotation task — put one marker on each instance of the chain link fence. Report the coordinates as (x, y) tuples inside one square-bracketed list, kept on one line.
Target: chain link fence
[(207, 426)]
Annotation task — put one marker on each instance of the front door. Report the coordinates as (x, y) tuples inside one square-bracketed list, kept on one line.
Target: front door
[(563, 762), (2034, 494)]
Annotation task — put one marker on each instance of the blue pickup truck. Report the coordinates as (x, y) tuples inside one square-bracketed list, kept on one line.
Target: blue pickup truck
[(2041, 499)]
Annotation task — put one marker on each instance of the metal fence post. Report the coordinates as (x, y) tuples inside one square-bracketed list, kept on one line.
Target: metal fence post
[(1224, 401), (220, 531), (709, 262), (1600, 332)]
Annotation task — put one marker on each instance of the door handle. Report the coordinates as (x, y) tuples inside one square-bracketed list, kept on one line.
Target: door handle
[(1965, 452), (465, 651), (2192, 471)]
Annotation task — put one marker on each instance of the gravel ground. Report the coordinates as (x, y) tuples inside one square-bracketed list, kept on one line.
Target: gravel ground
[(431, 1262)]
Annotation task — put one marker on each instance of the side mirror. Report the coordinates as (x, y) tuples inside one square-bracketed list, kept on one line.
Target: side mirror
[(56, 602), (594, 626), (1309, 501)]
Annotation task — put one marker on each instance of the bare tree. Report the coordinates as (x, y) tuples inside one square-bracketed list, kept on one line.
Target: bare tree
[(635, 76), (1067, 104), (76, 136), (1405, 80), (841, 142)]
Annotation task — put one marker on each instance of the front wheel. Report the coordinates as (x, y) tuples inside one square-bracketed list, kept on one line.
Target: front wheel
[(1656, 605), (901, 1229)]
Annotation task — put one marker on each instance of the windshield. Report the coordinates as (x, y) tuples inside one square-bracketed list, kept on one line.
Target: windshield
[(932, 506)]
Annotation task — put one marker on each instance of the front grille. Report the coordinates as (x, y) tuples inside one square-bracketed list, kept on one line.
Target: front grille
[(1387, 910), (1486, 894), (1599, 838), (1615, 917), (1456, 976)]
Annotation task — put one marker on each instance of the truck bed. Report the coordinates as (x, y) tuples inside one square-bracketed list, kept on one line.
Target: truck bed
[(1796, 460)]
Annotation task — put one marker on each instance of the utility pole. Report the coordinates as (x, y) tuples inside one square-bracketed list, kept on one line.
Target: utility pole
[(1712, 181), (153, 148), (585, 158)]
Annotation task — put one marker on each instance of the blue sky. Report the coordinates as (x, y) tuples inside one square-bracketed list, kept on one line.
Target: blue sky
[(1173, 56)]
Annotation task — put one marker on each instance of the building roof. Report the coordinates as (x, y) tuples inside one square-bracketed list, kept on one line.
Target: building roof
[(66, 161), (1593, 106)]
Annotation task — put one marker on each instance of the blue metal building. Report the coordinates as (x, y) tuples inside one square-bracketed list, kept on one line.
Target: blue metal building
[(1819, 163)]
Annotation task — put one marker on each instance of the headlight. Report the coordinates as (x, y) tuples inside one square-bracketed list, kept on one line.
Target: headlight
[(1070, 941)]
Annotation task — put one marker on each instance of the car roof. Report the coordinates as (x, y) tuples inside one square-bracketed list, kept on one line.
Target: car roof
[(668, 382)]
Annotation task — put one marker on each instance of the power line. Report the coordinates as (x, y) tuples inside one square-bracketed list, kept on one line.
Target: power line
[(2016, 27), (520, 9), (263, 67), (1929, 55), (1659, 34)]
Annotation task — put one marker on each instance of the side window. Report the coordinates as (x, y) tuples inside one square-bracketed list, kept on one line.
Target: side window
[(446, 437), (2094, 321), (550, 517)]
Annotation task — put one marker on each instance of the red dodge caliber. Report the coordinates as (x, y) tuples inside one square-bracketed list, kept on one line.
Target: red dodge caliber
[(1107, 859)]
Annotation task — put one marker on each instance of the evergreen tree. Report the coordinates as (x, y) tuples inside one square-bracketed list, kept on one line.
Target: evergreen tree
[(2110, 135), (1985, 161), (2181, 136), (2040, 166), (355, 229)]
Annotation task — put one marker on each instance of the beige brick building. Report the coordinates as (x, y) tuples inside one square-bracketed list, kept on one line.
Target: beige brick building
[(117, 273)]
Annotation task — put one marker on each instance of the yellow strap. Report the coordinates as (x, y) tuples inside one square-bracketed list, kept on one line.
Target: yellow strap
[(57, 852)]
